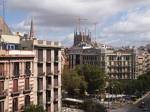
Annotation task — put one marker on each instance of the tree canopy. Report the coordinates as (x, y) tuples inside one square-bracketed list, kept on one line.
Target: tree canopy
[(34, 108), (86, 78)]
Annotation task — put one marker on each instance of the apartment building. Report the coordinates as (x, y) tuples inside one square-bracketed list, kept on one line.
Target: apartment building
[(30, 72), (117, 63), (47, 71), (121, 64), (16, 80)]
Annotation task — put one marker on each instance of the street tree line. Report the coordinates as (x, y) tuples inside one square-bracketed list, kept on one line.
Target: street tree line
[(130, 87)]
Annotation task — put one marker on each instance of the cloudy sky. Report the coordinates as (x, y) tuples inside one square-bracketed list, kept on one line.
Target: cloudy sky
[(120, 22)]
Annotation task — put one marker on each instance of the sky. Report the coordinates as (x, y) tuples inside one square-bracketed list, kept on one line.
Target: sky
[(119, 22)]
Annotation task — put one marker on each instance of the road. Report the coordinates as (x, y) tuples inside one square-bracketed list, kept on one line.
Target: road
[(135, 108)]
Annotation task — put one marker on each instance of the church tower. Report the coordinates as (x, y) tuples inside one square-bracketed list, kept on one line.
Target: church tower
[(31, 36)]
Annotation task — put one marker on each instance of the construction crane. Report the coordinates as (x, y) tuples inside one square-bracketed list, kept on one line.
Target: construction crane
[(95, 28), (79, 23)]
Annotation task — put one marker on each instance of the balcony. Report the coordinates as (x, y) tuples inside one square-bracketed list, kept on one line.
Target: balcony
[(27, 90), (55, 83), (15, 92), (48, 55), (40, 56), (2, 75), (40, 60), (48, 87), (16, 74), (40, 85), (56, 71), (56, 59), (55, 97), (3, 94), (27, 72), (48, 97), (49, 74), (41, 74)]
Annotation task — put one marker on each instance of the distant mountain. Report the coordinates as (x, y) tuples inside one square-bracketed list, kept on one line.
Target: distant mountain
[(4, 29)]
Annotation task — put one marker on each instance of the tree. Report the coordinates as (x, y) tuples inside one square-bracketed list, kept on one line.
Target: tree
[(94, 76), (115, 87), (34, 108), (72, 81), (92, 106)]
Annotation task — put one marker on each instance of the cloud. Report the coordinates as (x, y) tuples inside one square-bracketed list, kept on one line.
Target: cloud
[(132, 30), (59, 17)]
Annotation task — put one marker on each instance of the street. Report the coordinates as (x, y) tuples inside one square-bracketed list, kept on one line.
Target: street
[(135, 108)]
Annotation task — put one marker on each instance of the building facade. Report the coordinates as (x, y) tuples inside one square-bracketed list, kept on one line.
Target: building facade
[(30, 73), (117, 63), (121, 64), (16, 80), (47, 71)]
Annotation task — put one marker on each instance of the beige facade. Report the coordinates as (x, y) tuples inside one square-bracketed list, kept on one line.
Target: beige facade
[(117, 64), (16, 80), (143, 62), (121, 65), (47, 71)]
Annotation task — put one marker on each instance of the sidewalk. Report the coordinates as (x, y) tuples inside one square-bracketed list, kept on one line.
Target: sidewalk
[(137, 101)]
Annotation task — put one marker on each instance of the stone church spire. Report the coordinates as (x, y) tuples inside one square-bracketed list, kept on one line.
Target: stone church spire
[(31, 30)]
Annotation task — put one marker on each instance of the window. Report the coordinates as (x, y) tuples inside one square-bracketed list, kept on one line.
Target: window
[(26, 83), (16, 69), (40, 84), (27, 101), (15, 104), (48, 68), (1, 106), (56, 55), (15, 85), (1, 69), (40, 55), (40, 69), (27, 68), (40, 98), (1, 86), (48, 53)]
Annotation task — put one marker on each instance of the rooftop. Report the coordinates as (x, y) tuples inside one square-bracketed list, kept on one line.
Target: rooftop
[(16, 53)]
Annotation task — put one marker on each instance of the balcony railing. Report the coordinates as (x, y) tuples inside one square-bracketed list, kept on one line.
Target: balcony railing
[(55, 97), (2, 74), (41, 74), (48, 74), (48, 87), (56, 59), (15, 92), (16, 74), (56, 71), (48, 98), (27, 72), (55, 83), (27, 90)]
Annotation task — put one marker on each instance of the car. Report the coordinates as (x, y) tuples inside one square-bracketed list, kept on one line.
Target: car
[(142, 104)]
